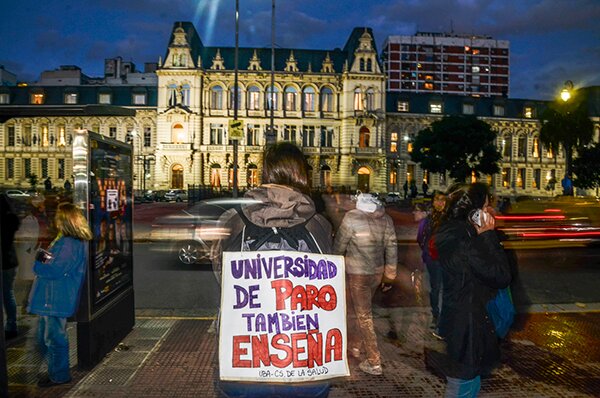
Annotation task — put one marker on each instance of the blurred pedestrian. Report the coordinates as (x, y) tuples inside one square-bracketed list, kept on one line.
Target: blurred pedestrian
[(48, 184), (428, 224), (413, 189), (67, 185), (405, 189), (55, 292), (474, 268), (26, 245), (9, 224), (367, 239), (425, 188)]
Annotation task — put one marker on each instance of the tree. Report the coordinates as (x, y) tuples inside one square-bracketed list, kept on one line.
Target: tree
[(586, 167), (566, 124), (458, 144)]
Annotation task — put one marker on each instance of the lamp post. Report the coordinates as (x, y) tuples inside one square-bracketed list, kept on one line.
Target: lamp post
[(236, 99), (567, 182), (145, 160)]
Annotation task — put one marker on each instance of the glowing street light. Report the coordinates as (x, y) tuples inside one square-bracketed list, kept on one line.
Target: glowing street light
[(565, 93)]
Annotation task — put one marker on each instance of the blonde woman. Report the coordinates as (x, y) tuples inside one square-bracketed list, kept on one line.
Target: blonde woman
[(54, 296)]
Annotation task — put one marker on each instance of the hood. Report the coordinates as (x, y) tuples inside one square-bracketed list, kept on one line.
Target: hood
[(280, 206)]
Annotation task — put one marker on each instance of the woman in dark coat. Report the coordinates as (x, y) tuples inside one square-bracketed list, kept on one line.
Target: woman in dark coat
[(474, 267)]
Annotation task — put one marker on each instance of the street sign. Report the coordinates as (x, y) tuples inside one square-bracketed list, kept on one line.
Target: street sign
[(236, 129)]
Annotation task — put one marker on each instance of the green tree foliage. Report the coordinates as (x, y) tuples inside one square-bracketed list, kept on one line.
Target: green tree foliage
[(459, 145), (566, 124), (586, 167)]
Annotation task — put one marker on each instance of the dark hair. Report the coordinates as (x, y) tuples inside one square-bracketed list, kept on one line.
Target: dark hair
[(464, 198), (285, 164)]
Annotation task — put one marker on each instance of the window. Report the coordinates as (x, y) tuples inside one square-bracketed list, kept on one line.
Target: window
[(61, 135), (394, 142), (308, 99), (507, 146), (393, 177), (10, 168), (104, 98), (402, 106), (358, 100), (215, 175), (468, 109), (61, 169), (522, 146), (44, 139), (27, 167), (216, 97), (537, 179), (308, 136), (290, 99), (535, 148), (435, 107), (475, 69), (178, 134), (112, 132), (26, 135), (521, 178), (498, 110), (44, 167), (326, 136), (37, 99), (364, 136), (232, 93), (370, 100), (252, 134), (289, 133), (528, 112), (147, 136), (172, 94), (4, 98), (10, 139), (252, 176), (139, 99), (271, 99), (326, 100), (216, 134), (254, 98), (506, 177), (71, 98), (325, 176), (185, 94)]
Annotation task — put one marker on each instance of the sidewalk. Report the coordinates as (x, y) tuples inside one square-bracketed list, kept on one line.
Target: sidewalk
[(548, 354)]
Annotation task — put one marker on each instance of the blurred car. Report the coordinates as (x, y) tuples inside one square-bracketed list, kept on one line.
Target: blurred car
[(16, 194), (177, 195), (550, 223), (189, 233), (392, 197)]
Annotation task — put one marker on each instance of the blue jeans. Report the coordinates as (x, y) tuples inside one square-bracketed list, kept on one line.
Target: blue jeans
[(434, 269), (53, 344), (459, 388), (10, 303)]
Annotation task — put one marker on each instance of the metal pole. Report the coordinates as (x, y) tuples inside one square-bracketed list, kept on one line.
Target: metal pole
[(236, 99), (271, 138)]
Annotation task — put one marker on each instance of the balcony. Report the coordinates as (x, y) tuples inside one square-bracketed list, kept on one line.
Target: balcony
[(367, 151), (177, 147)]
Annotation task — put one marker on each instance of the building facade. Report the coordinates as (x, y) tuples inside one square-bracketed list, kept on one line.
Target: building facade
[(332, 103), (447, 63)]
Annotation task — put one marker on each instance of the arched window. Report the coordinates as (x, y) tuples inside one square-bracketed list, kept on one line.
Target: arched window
[(369, 65), (358, 100), (290, 98), (364, 136), (370, 99), (215, 176), (253, 98), (252, 176), (362, 65), (507, 146), (176, 176), (178, 134), (325, 176), (172, 94), (363, 183), (216, 97), (326, 99), (232, 92), (308, 99), (271, 99)]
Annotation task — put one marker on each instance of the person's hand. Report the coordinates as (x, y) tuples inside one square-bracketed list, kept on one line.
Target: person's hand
[(385, 287), (488, 222)]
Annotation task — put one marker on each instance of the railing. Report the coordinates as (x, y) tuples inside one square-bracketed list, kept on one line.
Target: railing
[(177, 147)]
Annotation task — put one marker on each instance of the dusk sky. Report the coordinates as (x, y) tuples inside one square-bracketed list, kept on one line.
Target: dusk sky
[(551, 41)]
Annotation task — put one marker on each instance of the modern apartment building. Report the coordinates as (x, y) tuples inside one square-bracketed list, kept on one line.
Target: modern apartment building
[(447, 63)]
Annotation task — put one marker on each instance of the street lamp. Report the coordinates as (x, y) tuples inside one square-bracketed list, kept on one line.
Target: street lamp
[(565, 93)]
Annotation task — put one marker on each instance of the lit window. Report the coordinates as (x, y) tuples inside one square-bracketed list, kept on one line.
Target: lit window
[(468, 109), (394, 142), (253, 98), (104, 98), (506, 178), (435, 108), (475, 69), (402, 106), (535, 152), (358, 100), (290, 99), (409, 146), (428, 86), (370, 100), (271, 98), (393, 177), (37, 99), (498, 110), (326, 100), (364, 136), (71, 98), (308, 103), (216, 97), (528, 112), (4, 98)]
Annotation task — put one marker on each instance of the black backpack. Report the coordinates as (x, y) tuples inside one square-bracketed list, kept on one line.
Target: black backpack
[(254, 237)]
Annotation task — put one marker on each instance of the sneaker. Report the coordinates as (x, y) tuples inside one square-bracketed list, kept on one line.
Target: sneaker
[(47, 382), (355, 352), (366, 367)]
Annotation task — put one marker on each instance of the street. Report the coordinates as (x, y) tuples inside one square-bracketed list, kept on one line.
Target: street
[(542, 276)]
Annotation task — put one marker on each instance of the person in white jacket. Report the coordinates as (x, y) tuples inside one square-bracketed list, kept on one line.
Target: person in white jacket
[(367, 239)]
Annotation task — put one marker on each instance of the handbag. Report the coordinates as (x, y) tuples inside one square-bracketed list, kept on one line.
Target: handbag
[(502, 311)]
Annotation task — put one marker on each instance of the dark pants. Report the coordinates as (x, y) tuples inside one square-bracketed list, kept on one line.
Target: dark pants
[(435, 281)]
